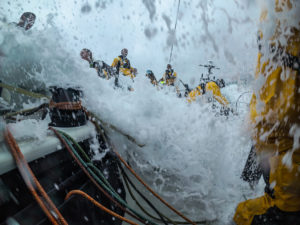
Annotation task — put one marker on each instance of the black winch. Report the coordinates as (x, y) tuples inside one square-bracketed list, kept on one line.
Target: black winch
[(65, 108)]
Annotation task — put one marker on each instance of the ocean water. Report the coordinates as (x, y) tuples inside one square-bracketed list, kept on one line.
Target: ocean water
[(192, 156)]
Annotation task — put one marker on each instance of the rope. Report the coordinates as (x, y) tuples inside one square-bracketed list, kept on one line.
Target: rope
[(65, 105), (86, 172), (32, 183), (141, 181), (236, 103), (126, 179), (90, 163), (174, 31), (106, 187), (76, 158), (123, 161), (23, 91), (149, 189), (86, 196), (130, 138), (26, 112)]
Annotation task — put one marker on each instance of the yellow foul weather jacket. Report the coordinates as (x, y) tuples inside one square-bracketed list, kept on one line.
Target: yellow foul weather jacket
[(275, 114), (209, 87), (123, 65), (169, 78)]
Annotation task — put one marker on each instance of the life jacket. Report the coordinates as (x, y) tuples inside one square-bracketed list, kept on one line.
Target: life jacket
[(123, 62), (169, 77), (170, 74)]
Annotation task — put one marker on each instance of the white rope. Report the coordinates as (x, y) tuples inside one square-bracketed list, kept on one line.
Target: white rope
[(174, 31)]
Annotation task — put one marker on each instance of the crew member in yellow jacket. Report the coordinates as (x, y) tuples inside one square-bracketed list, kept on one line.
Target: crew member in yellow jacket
[(275, 114), (211, 87), (122, 64), (169, 77)]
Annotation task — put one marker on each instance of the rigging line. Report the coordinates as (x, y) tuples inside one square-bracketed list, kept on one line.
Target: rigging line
[(127, 181), (87, 172), (23, 91), (236, 103), (174, 31), (141, 181), (148, 187), (99, 205)]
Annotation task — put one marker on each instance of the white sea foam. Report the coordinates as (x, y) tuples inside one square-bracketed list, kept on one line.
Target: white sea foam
[(191, 157)]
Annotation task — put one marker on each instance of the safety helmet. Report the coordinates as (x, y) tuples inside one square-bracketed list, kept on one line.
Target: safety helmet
[(124, 52), (169, 66), (86, 54), (27, 20)]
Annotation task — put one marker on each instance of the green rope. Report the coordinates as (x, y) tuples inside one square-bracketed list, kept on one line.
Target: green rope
[(125, 177), (108, 187), (113, 193), (90, 162), (174, 222), (23, 91), (101, 175), (87, 158), (141, 207), (99, 129)]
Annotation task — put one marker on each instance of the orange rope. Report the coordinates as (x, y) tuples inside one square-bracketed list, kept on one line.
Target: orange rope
[(65, 105), (46, 204), (140, 179), (29, 185), (149, 189), (91, 178), (85, 195)]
